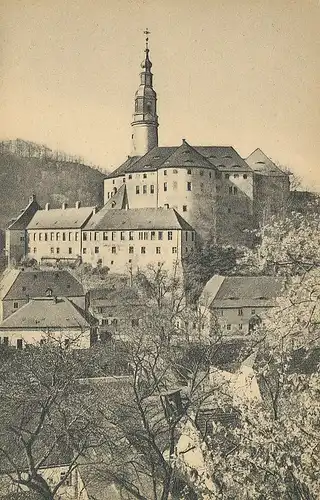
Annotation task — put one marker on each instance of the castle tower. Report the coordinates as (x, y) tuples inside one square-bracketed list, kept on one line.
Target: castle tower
[(145, 119)]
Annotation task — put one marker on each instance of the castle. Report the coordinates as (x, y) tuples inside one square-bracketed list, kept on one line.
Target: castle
[(158, 204)]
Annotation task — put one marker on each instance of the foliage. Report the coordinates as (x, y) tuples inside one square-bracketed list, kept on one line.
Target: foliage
[(287, 246)]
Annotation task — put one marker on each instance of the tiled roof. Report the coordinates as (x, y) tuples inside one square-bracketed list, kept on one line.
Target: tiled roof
[(114, 297), (47, 312), (224, 158), (118, 200), (25, 216), (58, 218), (35, 283), (124, 167), (263, 165), (244, 291), (215, 157), (137, 218)]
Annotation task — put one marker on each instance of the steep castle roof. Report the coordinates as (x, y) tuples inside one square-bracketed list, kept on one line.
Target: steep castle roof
[(261, 164), (25, 216), (223, 158), (136, 219)]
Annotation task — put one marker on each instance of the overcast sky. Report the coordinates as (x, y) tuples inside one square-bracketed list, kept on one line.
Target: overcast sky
[(227, 72)]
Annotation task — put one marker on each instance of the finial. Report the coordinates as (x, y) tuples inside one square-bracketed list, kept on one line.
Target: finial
[(147, 33)]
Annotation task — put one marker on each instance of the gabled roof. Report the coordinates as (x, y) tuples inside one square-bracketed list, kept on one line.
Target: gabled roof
[(59, 218), (49, 312), (261, 164), (25, 216), (242, 291), (118, 200), (215, 157), (35, 283), (136, 219), (224, 158), (114, 297), (124, 167)]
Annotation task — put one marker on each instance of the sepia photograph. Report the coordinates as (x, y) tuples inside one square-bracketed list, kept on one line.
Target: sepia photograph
[(160, 250)]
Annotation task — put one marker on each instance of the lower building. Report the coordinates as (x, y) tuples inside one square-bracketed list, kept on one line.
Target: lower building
[(128, 240), (50, 319), (234, 303)]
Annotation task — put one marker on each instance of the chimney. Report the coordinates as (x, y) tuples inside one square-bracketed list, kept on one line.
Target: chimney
[(95, 210), (32, 198), (47, 206), (78, 204), (65, 205)]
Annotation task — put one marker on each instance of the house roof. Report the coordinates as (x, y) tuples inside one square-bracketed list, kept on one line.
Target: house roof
[(123, 167), (242, 291), (48, 312), (137, 218), (25, 216), (223, 158), (114, 297), (59, 218), (261, 164), (118, 200), (34, 283)]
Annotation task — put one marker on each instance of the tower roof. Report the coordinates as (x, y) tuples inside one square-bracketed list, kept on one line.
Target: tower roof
[(261, 164)]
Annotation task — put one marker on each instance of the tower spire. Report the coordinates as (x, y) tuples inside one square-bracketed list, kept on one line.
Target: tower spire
[(145, 119)]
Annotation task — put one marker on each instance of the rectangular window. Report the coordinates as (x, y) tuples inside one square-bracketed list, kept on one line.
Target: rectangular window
[(143, 250), (175, 185), (131, 249), (40, 236), (96, 236), (19, 343), (186, 235), (113, 235), (84, 236), (245, 176), (130, 176), (131, 237), (240, 326), (230, 190), (160, 235), (174, 249), (165, 186), (70, 250), (84, 250), (76, 236), (164, 172), (145, 176), (201, 172), (122, 236), (235, 176), (158, 250), (145, 235), (63, 236), (34, 236), (201, 186), (253, 311), (153, 235), (192, 236), (189, 171), (235, 190), (137, 189), (228, 327), (96, 249), (144, 189), (240, 312), (169, 235), (5, 340), (70, 236), (152, 189), (58, 250), (57, 236), (113, 250), (227, 176), (140, 235), (105, 236), (34, 250), (15, 305), (189, 186), (184, 208), (51, 250)]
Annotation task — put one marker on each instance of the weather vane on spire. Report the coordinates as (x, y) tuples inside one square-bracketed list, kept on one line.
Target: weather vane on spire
[(147, 33)]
